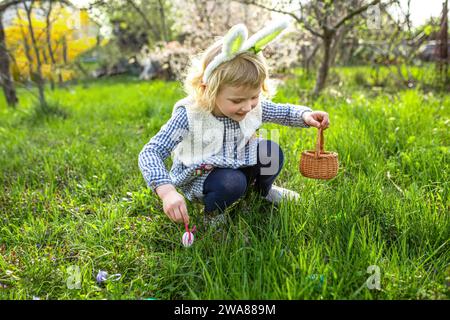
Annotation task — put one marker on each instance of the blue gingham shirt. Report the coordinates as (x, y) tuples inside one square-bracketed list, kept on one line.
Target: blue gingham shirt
[(190, 179)]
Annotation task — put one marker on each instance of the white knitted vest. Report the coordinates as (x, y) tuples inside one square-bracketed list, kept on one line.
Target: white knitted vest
[(205, 138)]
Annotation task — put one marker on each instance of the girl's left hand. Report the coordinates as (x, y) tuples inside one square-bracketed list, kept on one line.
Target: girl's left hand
[(318, 119)]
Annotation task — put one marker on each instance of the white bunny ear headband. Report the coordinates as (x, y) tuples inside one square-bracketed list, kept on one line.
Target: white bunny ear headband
[(236, 42)]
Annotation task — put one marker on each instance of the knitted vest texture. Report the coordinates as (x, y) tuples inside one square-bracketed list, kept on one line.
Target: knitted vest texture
[(205, 138)]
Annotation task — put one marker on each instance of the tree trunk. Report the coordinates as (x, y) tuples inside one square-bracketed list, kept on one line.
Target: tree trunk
[(163, 21), (325, 64), (26, 48), (337, 42), (5, 75), (48, 32), (156, 32), (442, 48), (39, 78), (65, 59), (308, 58)]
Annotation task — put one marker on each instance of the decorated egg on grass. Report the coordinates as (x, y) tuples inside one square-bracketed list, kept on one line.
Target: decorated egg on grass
[(188, 239)]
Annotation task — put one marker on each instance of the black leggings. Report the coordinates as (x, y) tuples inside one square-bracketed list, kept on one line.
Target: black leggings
[(224, 186)]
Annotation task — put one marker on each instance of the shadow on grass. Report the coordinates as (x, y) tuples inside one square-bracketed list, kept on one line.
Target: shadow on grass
[(41, 113)]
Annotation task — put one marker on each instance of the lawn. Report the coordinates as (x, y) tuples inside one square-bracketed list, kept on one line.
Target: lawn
[(73, 201)]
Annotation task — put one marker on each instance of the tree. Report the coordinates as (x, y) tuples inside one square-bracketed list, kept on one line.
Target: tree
[(325, 19), (396, 45), (38, 70), (59, 43), (200, 22), (20, 41), (403, 42), (161, 10), (48, 33), (136, 23), (5, 73), (442, 47)]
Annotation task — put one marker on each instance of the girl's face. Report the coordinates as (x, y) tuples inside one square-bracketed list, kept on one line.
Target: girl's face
[(236, 102)]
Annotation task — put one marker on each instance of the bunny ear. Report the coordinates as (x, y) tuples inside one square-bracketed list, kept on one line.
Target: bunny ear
[(233, 40), (260, 39)]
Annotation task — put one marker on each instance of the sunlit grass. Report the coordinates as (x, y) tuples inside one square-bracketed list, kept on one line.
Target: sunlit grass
[(72, 195)]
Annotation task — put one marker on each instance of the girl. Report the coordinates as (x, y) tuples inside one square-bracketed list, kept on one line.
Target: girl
[(211, 134)]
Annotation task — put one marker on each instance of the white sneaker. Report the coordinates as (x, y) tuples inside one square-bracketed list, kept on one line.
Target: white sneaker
[(277, 194)]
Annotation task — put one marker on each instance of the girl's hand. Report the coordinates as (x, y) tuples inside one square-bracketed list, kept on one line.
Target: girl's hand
[(174, 205), (318, 119)]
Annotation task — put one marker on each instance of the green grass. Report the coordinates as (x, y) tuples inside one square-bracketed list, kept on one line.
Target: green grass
[(72, 195)]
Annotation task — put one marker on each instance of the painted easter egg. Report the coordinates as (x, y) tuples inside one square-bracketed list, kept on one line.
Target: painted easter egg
[(188, 239)]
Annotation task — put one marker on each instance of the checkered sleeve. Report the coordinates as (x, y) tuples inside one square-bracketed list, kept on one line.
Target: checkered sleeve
[(284, 113), (152, 156)]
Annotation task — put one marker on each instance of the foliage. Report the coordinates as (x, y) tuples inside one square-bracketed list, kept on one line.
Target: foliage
[(67, 43)]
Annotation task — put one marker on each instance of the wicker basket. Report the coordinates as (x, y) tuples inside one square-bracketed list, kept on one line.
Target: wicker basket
[(319, 164)]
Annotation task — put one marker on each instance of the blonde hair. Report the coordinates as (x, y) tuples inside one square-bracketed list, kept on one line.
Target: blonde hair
[(247, 69)]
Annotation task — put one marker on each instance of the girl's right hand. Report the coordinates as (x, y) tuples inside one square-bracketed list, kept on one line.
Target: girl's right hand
[(318, 119), (174, 205)]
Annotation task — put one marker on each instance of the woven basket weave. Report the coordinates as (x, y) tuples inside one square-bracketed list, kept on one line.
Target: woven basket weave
[(319, 164)]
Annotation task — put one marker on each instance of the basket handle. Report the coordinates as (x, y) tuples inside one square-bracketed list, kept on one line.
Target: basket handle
[(319, 143)]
